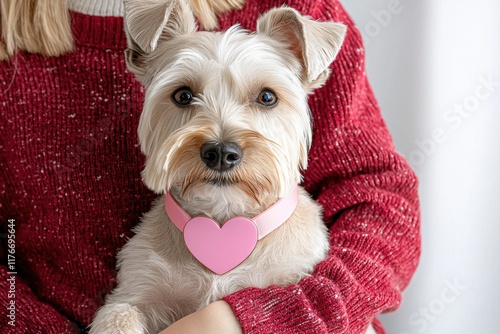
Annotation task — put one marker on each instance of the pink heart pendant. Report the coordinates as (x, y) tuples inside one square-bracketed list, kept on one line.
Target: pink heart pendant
[(220, 249)]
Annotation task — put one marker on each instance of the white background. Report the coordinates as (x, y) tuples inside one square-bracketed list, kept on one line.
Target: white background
[(428, 62)]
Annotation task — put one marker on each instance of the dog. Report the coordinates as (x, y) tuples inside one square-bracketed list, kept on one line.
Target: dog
[(226, 131)]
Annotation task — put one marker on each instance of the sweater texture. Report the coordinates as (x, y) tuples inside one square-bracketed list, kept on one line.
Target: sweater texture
[(70, 183)]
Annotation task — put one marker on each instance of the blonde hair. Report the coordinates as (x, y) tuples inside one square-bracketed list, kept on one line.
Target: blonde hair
[(35, 26)]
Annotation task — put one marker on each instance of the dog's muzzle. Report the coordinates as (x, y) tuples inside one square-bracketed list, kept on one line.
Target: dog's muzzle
[(220, 156)]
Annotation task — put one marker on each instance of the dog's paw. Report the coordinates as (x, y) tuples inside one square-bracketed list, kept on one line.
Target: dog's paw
[(119, 318), (207, 10)]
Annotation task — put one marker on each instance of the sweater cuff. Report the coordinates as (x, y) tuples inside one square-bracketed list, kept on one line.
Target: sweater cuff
[(272, 310), (289, 310)]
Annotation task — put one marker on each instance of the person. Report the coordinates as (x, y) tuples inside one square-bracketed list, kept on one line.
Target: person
[(70, 186)]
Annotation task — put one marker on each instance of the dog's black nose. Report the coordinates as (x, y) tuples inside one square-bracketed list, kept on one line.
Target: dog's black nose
[(220, 156)]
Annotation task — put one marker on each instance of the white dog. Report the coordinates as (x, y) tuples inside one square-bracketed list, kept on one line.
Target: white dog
[(226, 131)]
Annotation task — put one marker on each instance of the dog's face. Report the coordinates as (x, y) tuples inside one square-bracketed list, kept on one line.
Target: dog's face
[(226, 113)]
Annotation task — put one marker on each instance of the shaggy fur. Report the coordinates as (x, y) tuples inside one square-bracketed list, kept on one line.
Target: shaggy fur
[(159, 281)]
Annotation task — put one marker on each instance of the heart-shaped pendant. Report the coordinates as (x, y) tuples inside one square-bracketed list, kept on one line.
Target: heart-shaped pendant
[(220, 249)]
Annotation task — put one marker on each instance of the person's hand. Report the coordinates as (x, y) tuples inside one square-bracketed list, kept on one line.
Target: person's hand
[(216, 318)]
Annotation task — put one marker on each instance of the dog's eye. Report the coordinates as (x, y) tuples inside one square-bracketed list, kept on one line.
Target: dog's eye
[(267, 98), (182, 97)]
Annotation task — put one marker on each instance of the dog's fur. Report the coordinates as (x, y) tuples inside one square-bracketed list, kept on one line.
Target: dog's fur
[(159, 281)]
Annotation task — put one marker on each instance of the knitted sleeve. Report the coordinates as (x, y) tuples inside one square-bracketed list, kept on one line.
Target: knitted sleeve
[(370, 200)]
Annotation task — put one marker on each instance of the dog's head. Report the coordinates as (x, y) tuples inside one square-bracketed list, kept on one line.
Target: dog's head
[(226, 113)]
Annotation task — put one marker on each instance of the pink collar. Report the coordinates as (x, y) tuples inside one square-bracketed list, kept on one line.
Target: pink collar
[(222, 248)]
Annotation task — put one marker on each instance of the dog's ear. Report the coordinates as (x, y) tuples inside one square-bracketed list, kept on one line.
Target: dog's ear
[(314, 43), (148, 22)]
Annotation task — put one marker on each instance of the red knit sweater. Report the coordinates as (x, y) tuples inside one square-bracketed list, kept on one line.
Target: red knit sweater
[(70, 178)]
